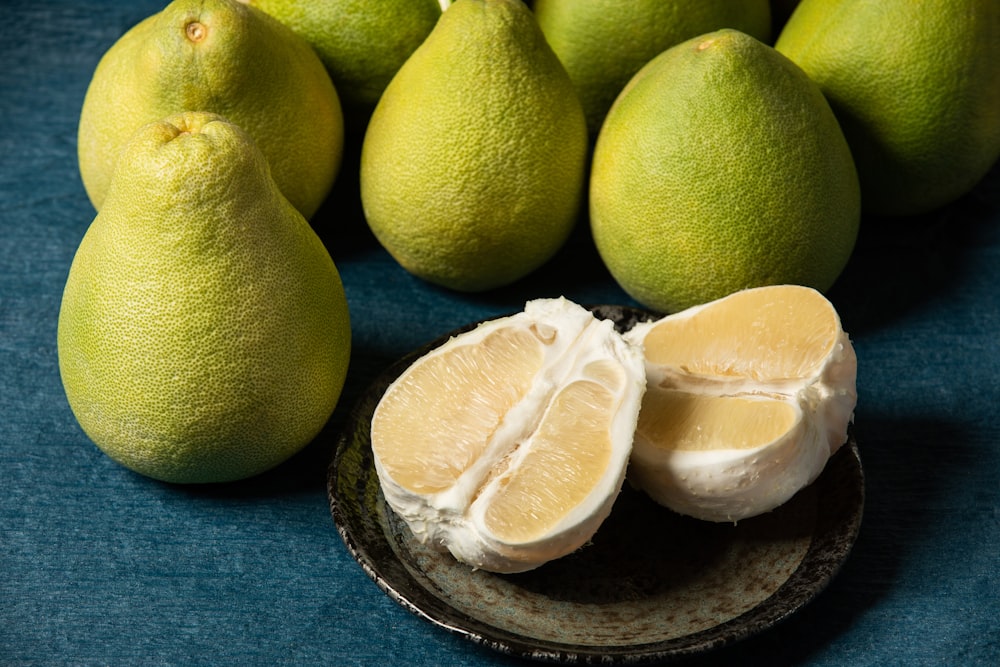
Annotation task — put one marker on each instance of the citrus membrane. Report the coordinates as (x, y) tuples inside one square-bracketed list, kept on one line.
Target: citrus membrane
[(747, 398), (508, 444)]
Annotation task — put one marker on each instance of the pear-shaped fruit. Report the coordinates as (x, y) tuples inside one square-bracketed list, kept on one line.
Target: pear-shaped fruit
[(227, 58), (720, 167), (473, 165), (204, 333), (920, 109)]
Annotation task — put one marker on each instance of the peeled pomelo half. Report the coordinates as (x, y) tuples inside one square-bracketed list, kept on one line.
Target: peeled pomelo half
[(508, 444), (747, 397)]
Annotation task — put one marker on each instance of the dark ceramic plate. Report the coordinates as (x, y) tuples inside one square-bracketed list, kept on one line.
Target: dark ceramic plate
[(652, 585)]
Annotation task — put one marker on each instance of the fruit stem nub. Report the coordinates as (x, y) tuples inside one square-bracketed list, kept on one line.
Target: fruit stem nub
[(195, 31)]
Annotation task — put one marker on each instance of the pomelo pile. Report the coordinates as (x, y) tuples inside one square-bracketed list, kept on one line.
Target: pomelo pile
[(721, 161), (709, 146), (204, 333)]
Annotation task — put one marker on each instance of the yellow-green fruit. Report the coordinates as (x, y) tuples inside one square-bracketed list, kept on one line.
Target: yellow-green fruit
[(362, 43), (603, 43), (204, 333), (721, 167), (920, 104), (473, 164), (224, 57)]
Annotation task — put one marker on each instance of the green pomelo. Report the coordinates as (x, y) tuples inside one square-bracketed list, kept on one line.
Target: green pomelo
[(473, 164), (204, 334), (603, 43), (363, 44), (222, 57), (916, 88), (721, 167)]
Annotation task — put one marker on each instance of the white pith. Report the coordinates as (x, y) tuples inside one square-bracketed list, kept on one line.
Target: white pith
[(734, 484), (454, 519)]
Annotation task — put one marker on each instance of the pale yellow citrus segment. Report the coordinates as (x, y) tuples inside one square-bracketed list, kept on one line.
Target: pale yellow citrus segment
[(433, 425), (568, 456), (747, 397), (757, 334), (508, 444), (681, 421), (607, 373)]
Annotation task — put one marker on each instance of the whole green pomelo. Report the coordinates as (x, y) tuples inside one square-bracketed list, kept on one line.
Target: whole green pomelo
[(362, 43), (474, 161), (721, 167), (227, 58), (204, 333), (915, 86), (603, 43)]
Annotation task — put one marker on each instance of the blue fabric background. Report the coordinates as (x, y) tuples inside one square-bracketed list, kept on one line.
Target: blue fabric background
[(101, 566)]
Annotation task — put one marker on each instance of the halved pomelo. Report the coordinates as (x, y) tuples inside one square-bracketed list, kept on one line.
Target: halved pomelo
[(508, 444), (747, 397)]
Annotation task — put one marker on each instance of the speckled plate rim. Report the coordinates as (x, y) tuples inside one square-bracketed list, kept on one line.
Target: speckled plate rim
[(840, 500)]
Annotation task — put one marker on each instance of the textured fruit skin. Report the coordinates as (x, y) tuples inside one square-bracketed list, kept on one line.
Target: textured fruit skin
[(920, 108), (204, 334), (603, 43), (246, 66), (473, 165), (721, 167), (363, 44)]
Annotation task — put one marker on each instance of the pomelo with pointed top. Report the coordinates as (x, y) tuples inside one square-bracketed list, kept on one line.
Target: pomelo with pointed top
[(474, 161), (223, 57), (204, 333)]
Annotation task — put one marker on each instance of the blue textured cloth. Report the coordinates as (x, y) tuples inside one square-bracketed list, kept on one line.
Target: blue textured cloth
[(102, 566)]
